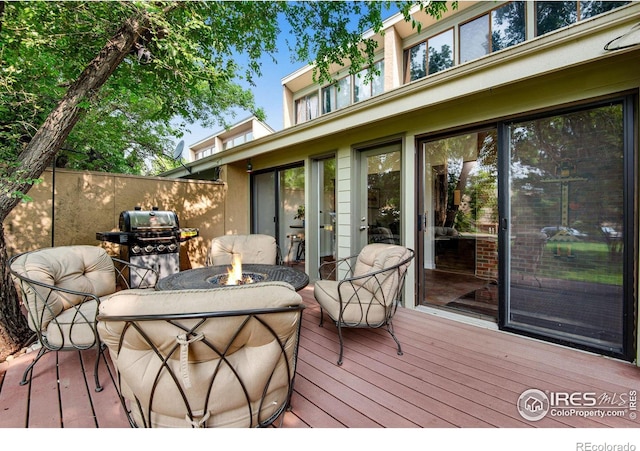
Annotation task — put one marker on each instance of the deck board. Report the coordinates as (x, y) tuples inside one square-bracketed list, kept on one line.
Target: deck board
[(75, 400), (451, 375)]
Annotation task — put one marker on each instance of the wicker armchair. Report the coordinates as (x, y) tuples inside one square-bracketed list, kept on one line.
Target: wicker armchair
[(364, 290), (61, 288), (220, 357)]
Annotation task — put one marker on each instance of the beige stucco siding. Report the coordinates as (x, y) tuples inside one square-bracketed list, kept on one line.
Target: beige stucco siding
[(90, 202)]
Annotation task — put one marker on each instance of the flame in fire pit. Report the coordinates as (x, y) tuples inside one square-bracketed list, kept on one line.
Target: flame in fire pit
[(235, 275)]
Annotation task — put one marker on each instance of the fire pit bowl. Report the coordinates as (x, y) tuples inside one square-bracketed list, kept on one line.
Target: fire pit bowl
[(247, 278), (211, 277)]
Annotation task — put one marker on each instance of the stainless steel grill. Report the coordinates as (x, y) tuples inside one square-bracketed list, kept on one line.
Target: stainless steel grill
[(150, 238)]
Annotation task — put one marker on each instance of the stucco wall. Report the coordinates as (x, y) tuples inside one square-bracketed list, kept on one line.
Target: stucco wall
[(90, 202)]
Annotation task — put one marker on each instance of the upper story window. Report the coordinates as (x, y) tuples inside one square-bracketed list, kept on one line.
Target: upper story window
[(500, 28), (428, 57), (363, 89), (352, 88), (204, 152), (497, 28), (237, 140), (337, 95), (307, 108), (551, 15)]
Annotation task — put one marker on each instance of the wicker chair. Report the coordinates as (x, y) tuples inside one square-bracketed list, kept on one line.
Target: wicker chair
[(364, 290), (61, 288), (220, 357), (254, 248)]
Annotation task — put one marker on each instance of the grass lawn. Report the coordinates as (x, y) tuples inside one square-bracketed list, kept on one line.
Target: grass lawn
[(590, 262)]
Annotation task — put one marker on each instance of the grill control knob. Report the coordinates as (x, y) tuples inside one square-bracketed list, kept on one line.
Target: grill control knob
[(136, 249), (148, 248), (161, 247), (172, 247)]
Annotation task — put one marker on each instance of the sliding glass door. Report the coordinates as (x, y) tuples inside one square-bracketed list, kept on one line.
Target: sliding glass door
[(278, 209), (460, 223), (566, 225), (531, 224)]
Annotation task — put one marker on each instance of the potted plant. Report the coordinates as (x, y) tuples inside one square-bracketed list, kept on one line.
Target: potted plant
[(300, 213)]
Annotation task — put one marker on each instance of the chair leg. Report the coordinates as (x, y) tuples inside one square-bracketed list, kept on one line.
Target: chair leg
[(390, 330), (341, 345), (29, 371), (95, 369), (321, 317)]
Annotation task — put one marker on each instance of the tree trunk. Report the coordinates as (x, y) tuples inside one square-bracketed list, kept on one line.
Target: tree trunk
[(14, 332), (38, 154)]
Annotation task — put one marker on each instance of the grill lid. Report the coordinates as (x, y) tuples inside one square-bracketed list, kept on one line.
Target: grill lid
[(151, 220)]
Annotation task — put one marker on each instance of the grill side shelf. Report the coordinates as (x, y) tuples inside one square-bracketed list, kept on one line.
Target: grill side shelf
[(113, 237)]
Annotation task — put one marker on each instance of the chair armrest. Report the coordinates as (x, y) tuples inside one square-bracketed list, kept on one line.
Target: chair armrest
[(373, 281), (143, 272), (328, 270)]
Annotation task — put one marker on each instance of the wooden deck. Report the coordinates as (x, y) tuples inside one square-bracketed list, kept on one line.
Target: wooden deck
[(452, 374)]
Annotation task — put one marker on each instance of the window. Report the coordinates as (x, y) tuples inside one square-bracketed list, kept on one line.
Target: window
[(429, 57), (415, 65), (500, 28), (204, 153), (592, 8), (363, 89), (507, 26), (307, 108), (336, 96), (441, 52), (340, 94), (551, 15), (237, 140)]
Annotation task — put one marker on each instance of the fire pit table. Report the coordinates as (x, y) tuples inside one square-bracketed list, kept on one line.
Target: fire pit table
[(216, 276)]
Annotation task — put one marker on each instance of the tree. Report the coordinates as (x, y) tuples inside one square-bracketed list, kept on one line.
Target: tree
[(74, 70)]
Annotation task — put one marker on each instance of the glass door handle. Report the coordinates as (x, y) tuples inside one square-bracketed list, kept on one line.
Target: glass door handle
[(364, 227)]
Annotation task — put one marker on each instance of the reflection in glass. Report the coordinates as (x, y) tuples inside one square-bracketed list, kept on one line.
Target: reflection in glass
[(461, 241), (441, 52), (474, 39), (327, 212), (593, 8), (507, 26), (291, 205), (363, 88), (417, 61), (566, 233), (383, 197), (337, 95), (551, 15)]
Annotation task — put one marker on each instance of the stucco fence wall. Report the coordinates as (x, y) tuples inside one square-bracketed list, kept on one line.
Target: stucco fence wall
[(84, 203)]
